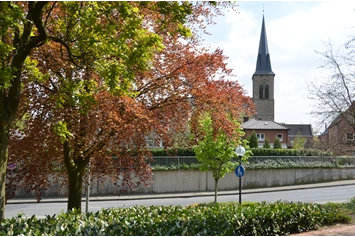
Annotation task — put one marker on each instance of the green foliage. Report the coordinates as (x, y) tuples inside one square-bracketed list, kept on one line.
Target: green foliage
[(267, 164), (229, 219), (216, 150), (288, 152), (60, 128), (253, 140), (172, 152), (176, 167), (10, 18), (299, 141), (255, 152), (266, 144), (350, 205), (277, 144), (289, 164)]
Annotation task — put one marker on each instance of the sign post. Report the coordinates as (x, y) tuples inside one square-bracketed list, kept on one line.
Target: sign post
[(88, 189), (239, 171)]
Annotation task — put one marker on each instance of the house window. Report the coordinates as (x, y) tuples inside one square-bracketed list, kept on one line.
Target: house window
[(260, 136), (266, 92), (261, 92), (150, 142), (350, 136), (279, 136)]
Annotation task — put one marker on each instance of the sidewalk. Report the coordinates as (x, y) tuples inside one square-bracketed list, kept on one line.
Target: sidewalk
[(183, 195)]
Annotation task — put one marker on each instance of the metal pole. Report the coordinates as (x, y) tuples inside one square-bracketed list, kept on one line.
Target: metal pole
[(240, 183), (87, 191)]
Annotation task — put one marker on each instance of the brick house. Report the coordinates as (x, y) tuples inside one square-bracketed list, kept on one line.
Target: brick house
[(266, 129), (339, 136)]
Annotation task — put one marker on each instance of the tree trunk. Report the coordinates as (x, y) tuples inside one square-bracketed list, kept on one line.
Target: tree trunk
[(215, 190), (75, 167), (4, 141), (75, 187)]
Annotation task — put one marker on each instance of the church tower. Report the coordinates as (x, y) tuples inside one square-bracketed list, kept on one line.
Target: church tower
[(263, 81)]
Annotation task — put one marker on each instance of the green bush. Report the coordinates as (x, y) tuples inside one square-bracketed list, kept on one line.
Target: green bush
[(172, 152), (253, 140), (252, 219), (266, 164), (266, 144), (288, 152), (277, 144), (256, 152)]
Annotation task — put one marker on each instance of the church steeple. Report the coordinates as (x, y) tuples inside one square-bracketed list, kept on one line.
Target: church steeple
[(263, 63), (263, 82)]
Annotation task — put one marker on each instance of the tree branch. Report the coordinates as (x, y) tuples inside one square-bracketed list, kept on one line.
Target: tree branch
[(49, 13), (67, 47)]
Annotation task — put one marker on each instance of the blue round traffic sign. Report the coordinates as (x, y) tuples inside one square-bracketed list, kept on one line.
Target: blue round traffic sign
[(239, 171), (11, 166)]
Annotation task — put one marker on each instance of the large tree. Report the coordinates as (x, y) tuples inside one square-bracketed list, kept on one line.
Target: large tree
[(87, 44), (334, 90), (93, 97)]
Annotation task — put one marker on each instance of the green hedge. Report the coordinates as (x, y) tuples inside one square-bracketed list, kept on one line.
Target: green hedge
[(288, 152), (266, 164), (256, 152), (251, 219), (172, 152)]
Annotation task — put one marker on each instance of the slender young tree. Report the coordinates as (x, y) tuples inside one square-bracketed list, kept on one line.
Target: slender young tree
[(215, 149)]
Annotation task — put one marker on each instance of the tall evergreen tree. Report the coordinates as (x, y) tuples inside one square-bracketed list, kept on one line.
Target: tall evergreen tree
[(253, 140)]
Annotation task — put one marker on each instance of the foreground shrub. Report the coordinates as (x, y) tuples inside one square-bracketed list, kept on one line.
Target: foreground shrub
[(220, 219)]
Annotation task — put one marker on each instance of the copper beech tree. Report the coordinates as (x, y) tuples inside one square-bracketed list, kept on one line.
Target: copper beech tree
[(114, 35), (86, 103)]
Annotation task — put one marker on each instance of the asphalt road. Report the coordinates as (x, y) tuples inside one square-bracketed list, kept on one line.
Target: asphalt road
[(317, 195)]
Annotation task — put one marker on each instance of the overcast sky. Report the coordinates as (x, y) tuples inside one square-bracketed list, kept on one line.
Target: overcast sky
[(295, 30)]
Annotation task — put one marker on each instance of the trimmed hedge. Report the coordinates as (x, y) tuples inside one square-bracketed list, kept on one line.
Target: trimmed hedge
[(256, 152), (265, 164), (288, 152), (172, 152), (251, 219)]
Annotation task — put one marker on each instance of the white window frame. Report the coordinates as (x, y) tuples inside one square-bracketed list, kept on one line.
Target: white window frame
[(260, 136), (150, 142), (347, 137), (277, 136)]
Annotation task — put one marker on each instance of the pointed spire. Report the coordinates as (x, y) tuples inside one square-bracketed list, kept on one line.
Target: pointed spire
[(263, 63)]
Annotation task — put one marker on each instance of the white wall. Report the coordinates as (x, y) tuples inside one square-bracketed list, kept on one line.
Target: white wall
[(197, 181)]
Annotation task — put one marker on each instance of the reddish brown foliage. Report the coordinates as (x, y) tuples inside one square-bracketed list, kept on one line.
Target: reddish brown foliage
[(184, 81)]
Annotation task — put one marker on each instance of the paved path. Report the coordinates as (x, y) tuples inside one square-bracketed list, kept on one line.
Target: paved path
[(336, 230)]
